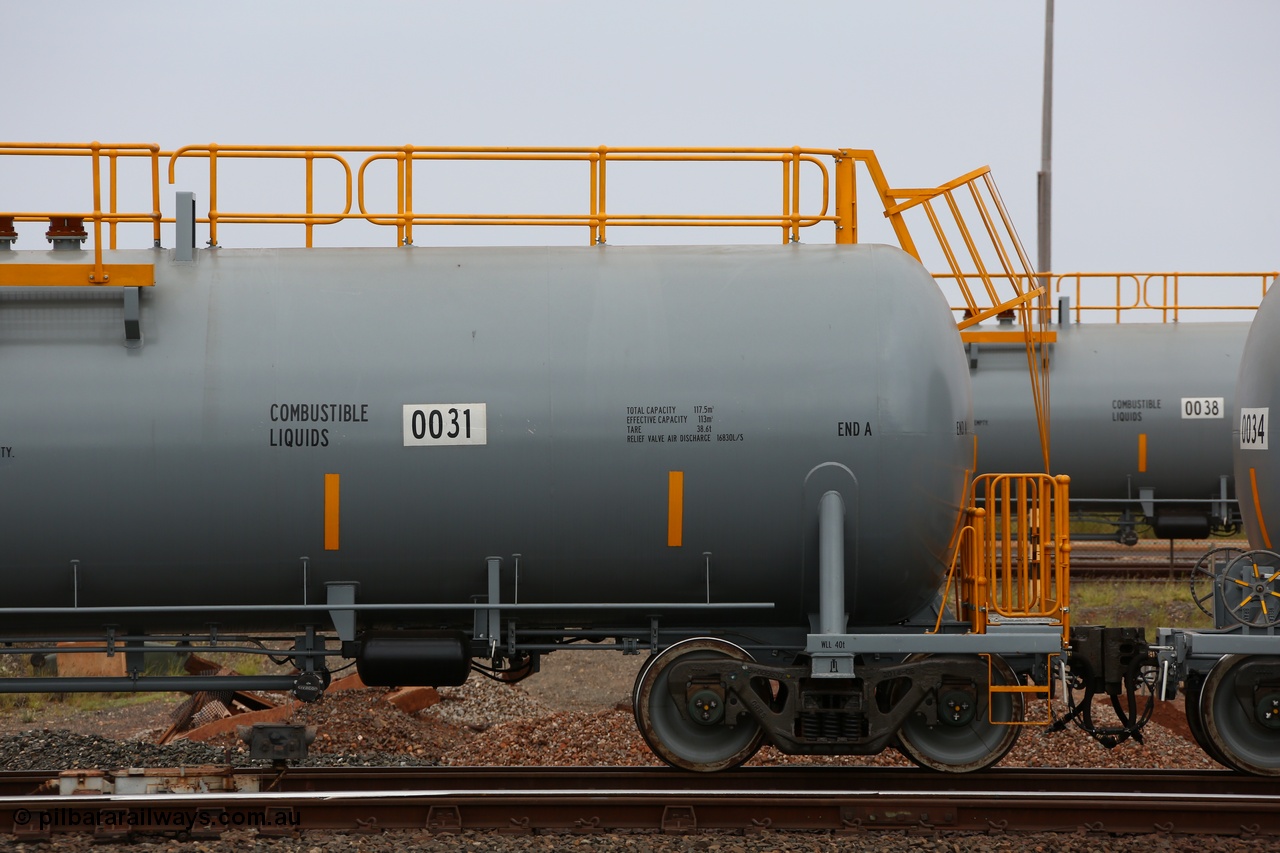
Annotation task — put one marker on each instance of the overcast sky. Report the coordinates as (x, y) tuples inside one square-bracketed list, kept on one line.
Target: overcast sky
[(1166, 112)]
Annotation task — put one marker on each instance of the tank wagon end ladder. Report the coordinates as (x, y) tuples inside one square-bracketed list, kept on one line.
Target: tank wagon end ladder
[(1014, 559)]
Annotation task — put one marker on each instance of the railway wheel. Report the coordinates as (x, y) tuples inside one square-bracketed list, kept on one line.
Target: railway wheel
[(698, 736), (1191, 692), (1240, 711), (971, 732)]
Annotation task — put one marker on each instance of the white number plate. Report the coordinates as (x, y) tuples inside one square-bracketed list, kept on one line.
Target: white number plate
[(437, 424), (1202, 407), (1253, 428)]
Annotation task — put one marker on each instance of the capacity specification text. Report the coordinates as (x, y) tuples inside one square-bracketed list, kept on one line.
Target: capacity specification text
[(667, 424)]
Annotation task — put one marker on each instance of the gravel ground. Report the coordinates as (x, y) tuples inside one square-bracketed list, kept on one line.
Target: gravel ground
[(574, 713)]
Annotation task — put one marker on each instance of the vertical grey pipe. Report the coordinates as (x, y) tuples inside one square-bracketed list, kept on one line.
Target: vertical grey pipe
[(1044, 178), (831, 564)]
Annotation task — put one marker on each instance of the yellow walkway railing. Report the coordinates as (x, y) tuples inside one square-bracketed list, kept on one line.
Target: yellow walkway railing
[(829, 191), (989, 280), (1144, 296), (1168, 295)]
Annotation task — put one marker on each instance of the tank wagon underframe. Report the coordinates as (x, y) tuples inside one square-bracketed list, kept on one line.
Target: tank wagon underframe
[(839, 692), (952, 699)]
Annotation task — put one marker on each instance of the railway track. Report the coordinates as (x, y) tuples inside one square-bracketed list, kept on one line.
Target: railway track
[(1154, 560), (591, 800)]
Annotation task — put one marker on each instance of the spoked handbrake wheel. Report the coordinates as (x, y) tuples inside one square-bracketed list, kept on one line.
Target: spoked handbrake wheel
[(1251, 588), (972, 732), (1205, 572), (704, 735)]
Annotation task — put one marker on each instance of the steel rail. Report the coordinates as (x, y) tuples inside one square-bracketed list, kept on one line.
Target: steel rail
[(589, 800)]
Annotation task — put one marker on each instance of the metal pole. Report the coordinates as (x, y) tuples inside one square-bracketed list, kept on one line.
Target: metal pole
[(1043, 177), (157, 683)]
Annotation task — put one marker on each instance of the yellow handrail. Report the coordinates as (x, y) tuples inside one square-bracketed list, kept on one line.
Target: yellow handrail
[(596, 218), (308, 218), (1162, 292), (1144, 296)]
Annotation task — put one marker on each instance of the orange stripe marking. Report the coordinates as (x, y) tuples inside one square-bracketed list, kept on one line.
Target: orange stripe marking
[(675, 508), (1257, 507), (1142, 452), (331, 512)]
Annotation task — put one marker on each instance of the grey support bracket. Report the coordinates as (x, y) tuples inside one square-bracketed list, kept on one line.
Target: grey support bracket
[(133, 317), (488, 626), (184, 225), (344, 620)]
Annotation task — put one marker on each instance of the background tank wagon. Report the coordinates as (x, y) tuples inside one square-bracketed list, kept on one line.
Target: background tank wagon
[(1140, 419)]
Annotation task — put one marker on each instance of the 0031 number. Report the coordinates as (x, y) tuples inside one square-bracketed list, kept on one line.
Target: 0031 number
[(441, 424)]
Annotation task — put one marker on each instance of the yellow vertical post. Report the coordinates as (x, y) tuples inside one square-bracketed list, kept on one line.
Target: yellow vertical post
[(213, 194), (155, 194), (795, 194), (1063, 514), (400, 199), (603, 210), (331, 512), (111, 193), (98, 276), (846, 200), (1006, 536), (786, 201), (980, 591), (593, 204), (408, 194), (310, 172)]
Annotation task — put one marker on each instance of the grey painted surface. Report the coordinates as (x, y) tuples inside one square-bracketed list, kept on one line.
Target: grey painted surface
[(1258, 387), (161, 468), (1110, 383)]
